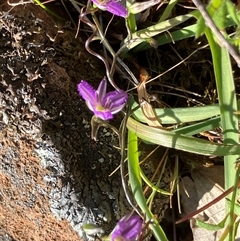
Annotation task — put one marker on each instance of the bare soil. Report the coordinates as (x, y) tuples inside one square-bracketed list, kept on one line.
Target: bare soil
[(52, 179)]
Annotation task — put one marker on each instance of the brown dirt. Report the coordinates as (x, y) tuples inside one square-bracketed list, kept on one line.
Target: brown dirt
[(21, 218)]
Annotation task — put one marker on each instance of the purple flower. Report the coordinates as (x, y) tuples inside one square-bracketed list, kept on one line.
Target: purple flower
[(112, 6), (103, 104), (128, 228)]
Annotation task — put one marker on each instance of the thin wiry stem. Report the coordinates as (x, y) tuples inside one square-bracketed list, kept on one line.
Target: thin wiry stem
[(84, 19), (99, 35)]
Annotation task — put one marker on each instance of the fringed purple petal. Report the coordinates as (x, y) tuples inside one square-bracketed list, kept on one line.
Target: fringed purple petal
[(112, 6), (104, 115), (114, 101), (87, 92), (101, 91), (118, 98), (116, 109), (117, 9), (91, 106)]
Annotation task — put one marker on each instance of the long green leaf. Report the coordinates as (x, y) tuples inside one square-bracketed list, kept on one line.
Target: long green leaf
[(227, 100), (196, 128), (168, 10), (144, 34), (179, 115), (180, 142), (136, 186)]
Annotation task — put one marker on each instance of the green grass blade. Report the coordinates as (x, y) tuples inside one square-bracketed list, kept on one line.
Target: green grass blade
[(180, 142), (147, 33), (168, 10), (227, 103), (46, 9), (196, 128), (136, 186), (179, 115), (183, 33), (131, 23), (236, 208), (169, 37), (150, 184), (210, 226)]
